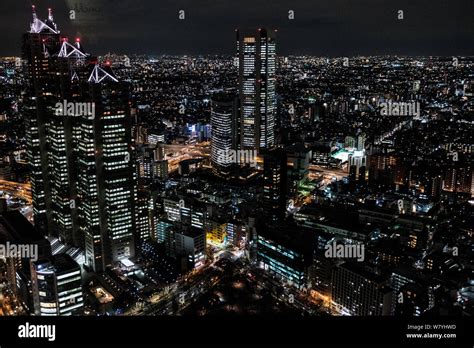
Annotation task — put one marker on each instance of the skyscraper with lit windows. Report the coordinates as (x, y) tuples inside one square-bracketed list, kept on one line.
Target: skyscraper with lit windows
[(82, 167), (224, 130), (257, 64), (107, 178), (42, 38), (57, 287)]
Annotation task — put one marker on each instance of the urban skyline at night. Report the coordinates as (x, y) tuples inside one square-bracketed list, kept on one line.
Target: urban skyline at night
[(324, 28), (257, 171)]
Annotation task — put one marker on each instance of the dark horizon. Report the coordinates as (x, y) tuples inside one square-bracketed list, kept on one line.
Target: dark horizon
[(327, 28)]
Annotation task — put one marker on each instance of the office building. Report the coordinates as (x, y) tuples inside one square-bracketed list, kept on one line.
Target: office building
[(162, 228), (257, 63), (41, 81), (285, 252), (359, 291), (57, 286), (142, 215), (107, 177), (17, 230), (187, 244), (83, 182), (275, 184), (224, 132)]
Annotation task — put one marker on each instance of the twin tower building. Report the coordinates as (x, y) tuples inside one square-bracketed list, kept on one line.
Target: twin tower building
[(79, 147)]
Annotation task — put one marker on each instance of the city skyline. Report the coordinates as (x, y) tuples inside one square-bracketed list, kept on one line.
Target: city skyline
[(329, 28), (248, 184)]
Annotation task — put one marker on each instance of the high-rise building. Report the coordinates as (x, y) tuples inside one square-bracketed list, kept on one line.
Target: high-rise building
[(383, 168), (357, 165), (57, 286), (53, 69), (107, 177), (321, 272), (436, 185), (224, 131), (361, 142), (257, 64), (42, 38), (275, 184), (459, 179), (359, 291), (79, 147), (142, 215)]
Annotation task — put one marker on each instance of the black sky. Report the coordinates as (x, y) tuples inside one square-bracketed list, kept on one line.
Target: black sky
[(320, 27)]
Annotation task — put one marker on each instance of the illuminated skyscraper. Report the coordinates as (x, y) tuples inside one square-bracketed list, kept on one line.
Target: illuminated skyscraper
[(81, 158), (107, 178), (224, 129), (52, 67), (42, 38), (257, 65)]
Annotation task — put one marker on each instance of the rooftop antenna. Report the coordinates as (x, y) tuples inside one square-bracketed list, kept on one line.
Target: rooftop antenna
[(50, 14), (33, 9)]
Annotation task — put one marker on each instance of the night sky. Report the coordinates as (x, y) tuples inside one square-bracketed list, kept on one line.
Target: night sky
[(320, 27)]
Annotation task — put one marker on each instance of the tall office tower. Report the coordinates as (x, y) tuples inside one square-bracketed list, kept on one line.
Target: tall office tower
[(435, 186), (275, 184), (53, 65), (61, 138), (320, 273), (224, 129), (80, 152), (41, 96), (257, 65), (57, 286), (107, 178), (162, 227)]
